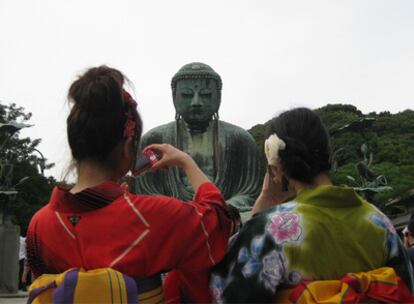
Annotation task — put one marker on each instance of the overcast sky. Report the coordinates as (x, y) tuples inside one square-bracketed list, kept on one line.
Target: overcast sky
[(272, 55)]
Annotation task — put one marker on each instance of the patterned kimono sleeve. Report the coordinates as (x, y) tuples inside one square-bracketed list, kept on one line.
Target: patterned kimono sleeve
[(398, 257), (252, 269)]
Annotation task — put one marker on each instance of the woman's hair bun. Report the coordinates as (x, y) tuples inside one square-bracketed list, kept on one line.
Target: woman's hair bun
[(96, 122), (295, 160), (307, 151), (99, 89)]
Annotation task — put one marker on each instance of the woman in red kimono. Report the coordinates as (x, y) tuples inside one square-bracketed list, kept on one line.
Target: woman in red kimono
[(97, 223)]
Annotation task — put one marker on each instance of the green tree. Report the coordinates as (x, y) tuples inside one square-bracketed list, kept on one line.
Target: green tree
[(390, 137), (23, 156)]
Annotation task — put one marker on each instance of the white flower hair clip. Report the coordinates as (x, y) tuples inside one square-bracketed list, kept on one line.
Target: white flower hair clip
[(272, 147)]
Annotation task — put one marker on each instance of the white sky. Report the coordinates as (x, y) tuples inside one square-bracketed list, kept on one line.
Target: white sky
[(272, 55)]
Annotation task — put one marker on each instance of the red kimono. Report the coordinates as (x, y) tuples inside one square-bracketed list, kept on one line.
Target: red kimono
[(141, 236)]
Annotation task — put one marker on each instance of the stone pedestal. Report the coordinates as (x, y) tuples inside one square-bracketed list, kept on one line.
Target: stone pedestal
[(9, 258)]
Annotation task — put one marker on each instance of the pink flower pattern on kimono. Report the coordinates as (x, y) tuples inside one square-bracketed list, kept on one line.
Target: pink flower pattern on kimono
[(383, 222), (216, 287), (216, 295), (389, 225), (285, 227)]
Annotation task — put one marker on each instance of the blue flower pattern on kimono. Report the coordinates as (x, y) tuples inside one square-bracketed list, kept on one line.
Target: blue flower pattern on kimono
[(217, 284), (243, 256), (392, 237), (273, 268), (286, 206), (397, 255), (253, 264), (232, 240), (293, 278)]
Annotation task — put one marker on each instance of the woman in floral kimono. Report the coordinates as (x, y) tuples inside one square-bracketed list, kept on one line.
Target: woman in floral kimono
[(323, 233)]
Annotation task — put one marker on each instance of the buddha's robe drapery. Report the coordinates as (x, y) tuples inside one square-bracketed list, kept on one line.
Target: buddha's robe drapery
[(231, 162)]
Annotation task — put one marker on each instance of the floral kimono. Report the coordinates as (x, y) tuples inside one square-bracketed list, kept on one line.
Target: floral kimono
[(323, 234)]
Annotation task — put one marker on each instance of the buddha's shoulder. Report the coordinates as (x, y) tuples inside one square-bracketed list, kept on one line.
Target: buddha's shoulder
[(233, 129), (160, 132), (163, 128)]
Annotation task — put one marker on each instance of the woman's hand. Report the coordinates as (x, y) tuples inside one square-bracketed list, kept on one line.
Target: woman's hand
[(272, 193), (272, 189), (406, 239), (170, 156), (268, 186), (25, 273)]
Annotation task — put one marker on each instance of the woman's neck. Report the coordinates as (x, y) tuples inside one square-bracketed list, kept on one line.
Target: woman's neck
[(320, 180), (92, 174)]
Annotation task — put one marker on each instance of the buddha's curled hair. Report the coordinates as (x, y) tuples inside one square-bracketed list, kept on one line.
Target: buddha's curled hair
[(307, 151)]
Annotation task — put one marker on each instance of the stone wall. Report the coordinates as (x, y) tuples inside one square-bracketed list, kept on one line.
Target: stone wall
[(9, 258)]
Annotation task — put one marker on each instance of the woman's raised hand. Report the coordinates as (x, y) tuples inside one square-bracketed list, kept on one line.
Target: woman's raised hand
[(271, 194), (170, 156)]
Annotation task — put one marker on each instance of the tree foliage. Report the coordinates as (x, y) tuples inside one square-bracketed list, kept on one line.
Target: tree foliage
[(22, 155), (390, 138)]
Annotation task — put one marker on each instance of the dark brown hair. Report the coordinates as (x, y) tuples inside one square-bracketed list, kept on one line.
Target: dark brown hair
[(410, 226), (307, 151), (96, 121)]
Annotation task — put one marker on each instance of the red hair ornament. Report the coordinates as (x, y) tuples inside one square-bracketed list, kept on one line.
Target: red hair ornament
[(130, 124)]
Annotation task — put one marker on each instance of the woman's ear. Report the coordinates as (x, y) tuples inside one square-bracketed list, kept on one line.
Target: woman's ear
[(284, 184), (280, 178), (277, 174), (128, 149)]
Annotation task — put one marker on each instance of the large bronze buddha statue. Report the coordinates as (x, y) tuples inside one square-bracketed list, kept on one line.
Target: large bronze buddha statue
[(225, 152)]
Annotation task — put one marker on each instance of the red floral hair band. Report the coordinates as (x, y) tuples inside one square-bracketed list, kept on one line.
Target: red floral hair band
[(130, 124)]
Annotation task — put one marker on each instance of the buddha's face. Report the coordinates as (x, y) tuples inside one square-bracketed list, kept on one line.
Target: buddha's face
[(196, 100)]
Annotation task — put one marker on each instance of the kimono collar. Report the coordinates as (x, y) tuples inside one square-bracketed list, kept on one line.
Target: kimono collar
[(86, 200), (330, 197)]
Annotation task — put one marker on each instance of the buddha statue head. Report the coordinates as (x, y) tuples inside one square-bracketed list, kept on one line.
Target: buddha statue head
[(196, 90)]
